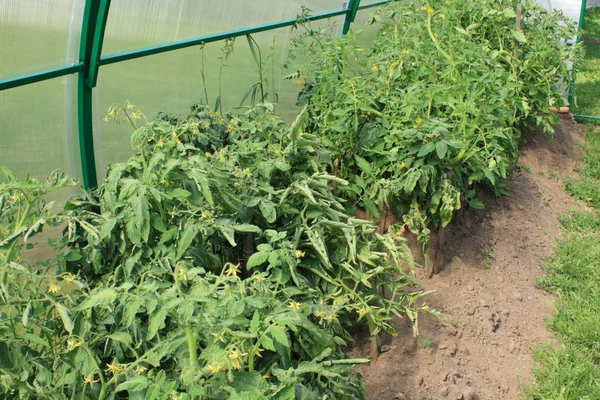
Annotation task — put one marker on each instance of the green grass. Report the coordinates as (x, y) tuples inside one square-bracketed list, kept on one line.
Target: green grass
[(572, 371), (586, 186), (588, 77)]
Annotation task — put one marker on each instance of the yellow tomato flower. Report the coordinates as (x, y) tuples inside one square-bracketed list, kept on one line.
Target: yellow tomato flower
[(257, 352), (405, 52), (374, 68), (361, 311), (113, 368), (418, 121), (73, 344), (235, 357), (232, 270), (53, 288), (69, 277), (160, 143), (299, 82), (89, 381), (294, 305), (430, 10), (300, 254), (402, 164), (141, 370), (220, 337), (394, 63), (182, 274), (215, 368)]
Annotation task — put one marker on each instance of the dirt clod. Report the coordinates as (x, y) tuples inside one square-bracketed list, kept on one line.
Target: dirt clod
[(444, 391), (517, 296), (385, 348), (419, 380)]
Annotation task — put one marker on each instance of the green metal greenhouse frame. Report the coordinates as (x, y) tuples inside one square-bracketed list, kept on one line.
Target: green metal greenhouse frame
[(90, 60)]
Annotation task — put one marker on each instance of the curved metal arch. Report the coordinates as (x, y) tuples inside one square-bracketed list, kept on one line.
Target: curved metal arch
[(92, 37)]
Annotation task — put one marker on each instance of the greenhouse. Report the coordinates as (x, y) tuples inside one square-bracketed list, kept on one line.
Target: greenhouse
[(301, 199)]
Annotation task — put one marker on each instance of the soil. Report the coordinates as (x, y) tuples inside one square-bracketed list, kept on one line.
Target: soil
[(486, 291)]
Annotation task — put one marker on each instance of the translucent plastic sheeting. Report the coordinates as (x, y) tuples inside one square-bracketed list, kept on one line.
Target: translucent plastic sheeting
[(172, 81), (39, 128), (571, 8), (141, 23), (38, 34), (369, 30)]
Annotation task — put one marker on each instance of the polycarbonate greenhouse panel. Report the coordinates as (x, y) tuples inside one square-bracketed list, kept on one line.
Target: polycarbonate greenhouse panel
[(38, 34), (39, 128), (571, 8), (172, 81), (133, 24), (369, 30)]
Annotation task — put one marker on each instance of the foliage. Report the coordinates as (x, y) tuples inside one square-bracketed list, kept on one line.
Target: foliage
[(435, 105), (571, 371), (214, 263), (588, 71), (212, 189), (35, 320)]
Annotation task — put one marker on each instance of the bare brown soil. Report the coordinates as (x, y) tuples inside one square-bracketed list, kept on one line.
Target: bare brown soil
[(486, 291)]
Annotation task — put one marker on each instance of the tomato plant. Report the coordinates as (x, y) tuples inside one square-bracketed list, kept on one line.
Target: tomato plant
[(436, 104), (215, 263)]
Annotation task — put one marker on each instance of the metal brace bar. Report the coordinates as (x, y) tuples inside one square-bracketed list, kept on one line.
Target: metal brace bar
[(351, 15)]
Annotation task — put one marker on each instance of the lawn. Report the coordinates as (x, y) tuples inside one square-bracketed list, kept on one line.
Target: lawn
[(572, 371), (588, 77)]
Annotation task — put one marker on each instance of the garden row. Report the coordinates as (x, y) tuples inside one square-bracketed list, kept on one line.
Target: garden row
[(222, 260), (436, 106)]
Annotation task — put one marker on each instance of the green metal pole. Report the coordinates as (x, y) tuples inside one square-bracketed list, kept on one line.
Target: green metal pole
[(582, 14), (351, 15), (92, 35), (96, 52), (587, 117)]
